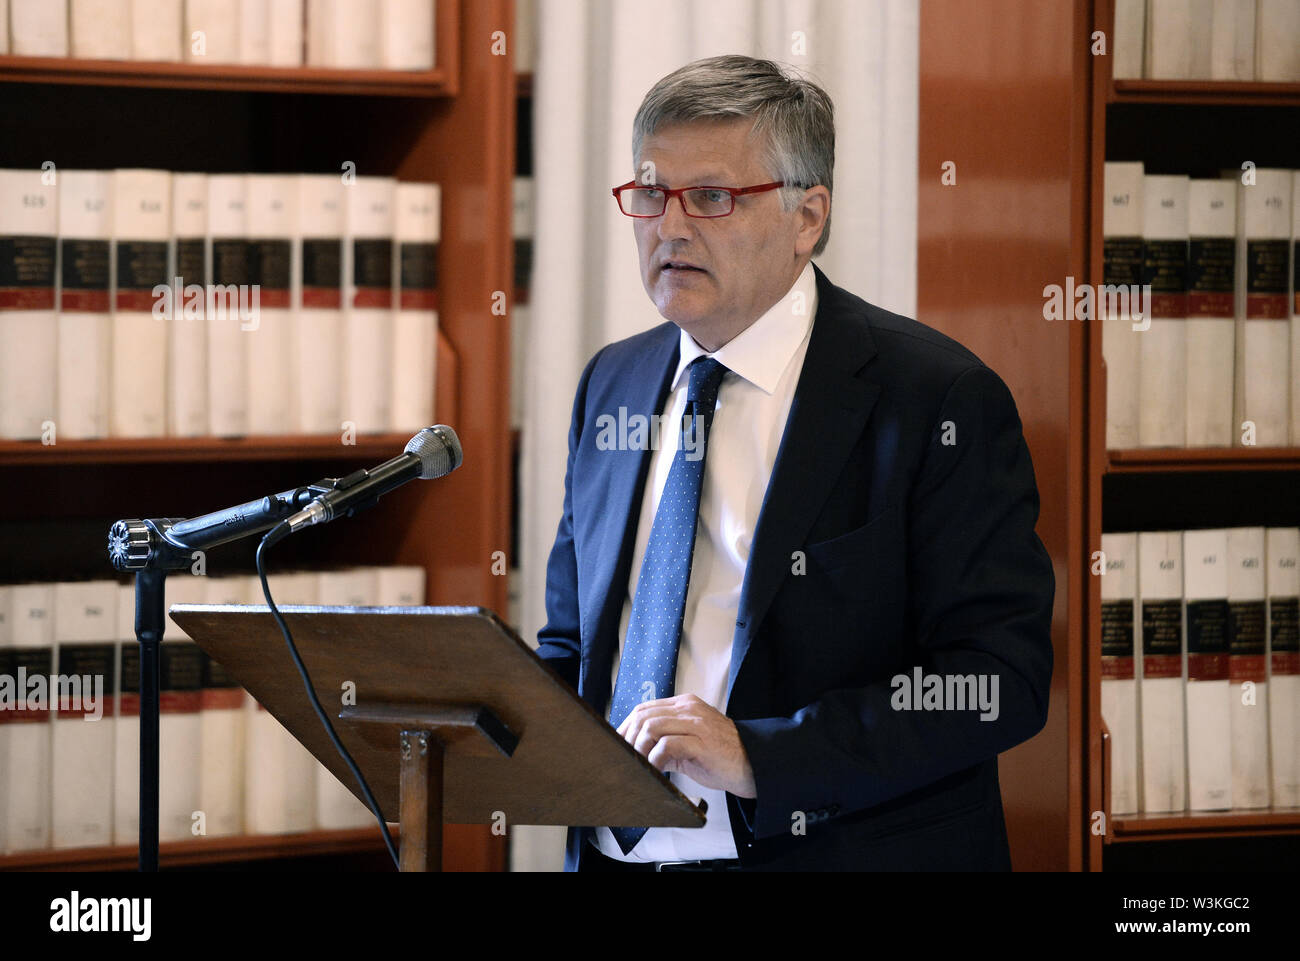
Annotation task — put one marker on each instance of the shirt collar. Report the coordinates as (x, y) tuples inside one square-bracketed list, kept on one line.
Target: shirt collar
[(761, 352)]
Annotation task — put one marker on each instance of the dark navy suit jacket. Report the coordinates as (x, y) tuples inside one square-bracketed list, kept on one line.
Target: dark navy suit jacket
[(897, 532)]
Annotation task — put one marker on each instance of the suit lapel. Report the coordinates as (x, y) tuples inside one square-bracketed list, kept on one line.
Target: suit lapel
[(830, 407)]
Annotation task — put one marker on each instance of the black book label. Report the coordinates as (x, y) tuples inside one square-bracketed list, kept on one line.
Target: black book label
[(87, 669), (372, 272), (230, 261), (1164, 267), (1295, 275), (180, 677), (1284, 619), (1122, 263), (418, 269), (269, 262), (1266, 279), (1162, 627), (1207, 627), (1117, 628), (1212, 277), (141, 266), (524, 262), (85, 276), (189, 261), (30, 698), (1246, 635), (27, 272)]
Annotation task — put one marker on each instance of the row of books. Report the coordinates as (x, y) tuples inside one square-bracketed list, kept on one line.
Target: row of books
[(1207, 40), (382, 35), (1204, 711), (69, 774), (1218, 344), (142, 303)]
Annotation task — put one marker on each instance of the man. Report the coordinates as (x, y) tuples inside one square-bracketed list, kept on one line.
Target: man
[(820, 605)]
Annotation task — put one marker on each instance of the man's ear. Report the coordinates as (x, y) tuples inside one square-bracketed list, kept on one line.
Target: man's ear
[(810, 218)]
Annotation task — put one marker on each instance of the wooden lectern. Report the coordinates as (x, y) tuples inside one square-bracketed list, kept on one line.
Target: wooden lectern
[(455, 719)]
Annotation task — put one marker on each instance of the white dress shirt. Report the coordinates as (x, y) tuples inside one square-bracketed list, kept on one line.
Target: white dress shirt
[(764, 362)]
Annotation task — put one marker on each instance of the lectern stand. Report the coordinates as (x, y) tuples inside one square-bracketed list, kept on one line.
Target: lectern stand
[(448, 714)]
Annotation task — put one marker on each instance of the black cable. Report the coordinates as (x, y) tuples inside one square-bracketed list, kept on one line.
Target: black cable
[(272, 536)]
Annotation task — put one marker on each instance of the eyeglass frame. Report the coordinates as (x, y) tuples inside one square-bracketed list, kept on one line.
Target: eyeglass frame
[(679, 193)]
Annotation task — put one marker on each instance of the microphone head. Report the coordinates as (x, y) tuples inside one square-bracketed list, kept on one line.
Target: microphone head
[(439, 451)]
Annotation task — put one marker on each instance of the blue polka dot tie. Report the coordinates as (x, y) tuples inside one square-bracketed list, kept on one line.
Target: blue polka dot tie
[(648, 667)]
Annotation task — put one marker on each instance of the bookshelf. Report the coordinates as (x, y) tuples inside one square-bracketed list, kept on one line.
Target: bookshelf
[(1025, 213), (454, 125)]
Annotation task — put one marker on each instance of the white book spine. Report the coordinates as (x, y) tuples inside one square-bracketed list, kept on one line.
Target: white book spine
[(85, 330), (179, 721), (156, 30), (1162, 411), (255, 32), (1248, 667), (272, 223), (1169, 39), (4, 48), (141, 231), (1277, 41), (407, 34), (317, 298), (1209, 739), (1282, 585), (345, 35), (368, 304), (526, 33), (1120, 344), (229, 300), (38, 28), (212, 31), (1163, 725), (285, 18), (1263, 329), (187, 341), (100, 29), (400, 586), (126, 752), (1211, 319), (1232, 40), (26, 781), (81, 732), (1295, 308), (1200, 43), (29, 220), (415, 323), (1119, 629), (221, 729)]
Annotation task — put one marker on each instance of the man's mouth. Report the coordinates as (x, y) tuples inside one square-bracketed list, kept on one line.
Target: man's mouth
[(680, 265)]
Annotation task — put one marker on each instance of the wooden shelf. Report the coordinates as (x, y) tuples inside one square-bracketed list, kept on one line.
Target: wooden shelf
[(202, 851), (1175, 459), (177, 450), (232, 76), (1231, 92), (1204, 824)]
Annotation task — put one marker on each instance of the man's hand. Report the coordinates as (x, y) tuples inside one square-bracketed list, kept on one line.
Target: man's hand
[(685, 735)]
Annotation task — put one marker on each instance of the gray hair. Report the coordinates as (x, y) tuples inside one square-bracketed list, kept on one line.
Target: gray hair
[(794, 115)]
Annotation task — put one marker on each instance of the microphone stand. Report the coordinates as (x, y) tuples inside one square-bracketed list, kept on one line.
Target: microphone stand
[(151, 549)]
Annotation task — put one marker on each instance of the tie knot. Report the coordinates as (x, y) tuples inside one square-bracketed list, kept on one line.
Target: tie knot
[(706, 376)]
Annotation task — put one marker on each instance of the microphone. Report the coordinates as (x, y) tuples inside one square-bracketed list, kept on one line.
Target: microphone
[(433, 452)]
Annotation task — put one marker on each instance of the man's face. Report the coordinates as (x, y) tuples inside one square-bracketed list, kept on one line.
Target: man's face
[(744, 262)]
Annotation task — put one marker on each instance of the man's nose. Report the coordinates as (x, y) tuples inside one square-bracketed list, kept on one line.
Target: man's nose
[(674, 223)]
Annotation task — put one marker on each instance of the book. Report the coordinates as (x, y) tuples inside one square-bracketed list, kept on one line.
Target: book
[(343, 34), (29, 223), (1162, 382), (141, 233), (1163, 742), (1295, 307), (126, 750), (1177, 41), (415, 322), (100, 29), (1232, 40), (255, 32), (1119, 626), (1277, 49), (4, 48), (221, 728), (318, 301), (156, 27), (1282, 586), (368, 304), (212, 31), (284, 24), (26, 779), (272, 224), (399, 586), (85, 326), (187, 330), (179, 722), (1248, 668), (525, 40), (81, 727), (38, 28), (1121, 345), (1211, 316), (229, 306), (407, 34), (1209, 740), (1263, 319)]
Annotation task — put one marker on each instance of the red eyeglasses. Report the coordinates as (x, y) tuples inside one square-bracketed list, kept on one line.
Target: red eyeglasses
[(706, 203)]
